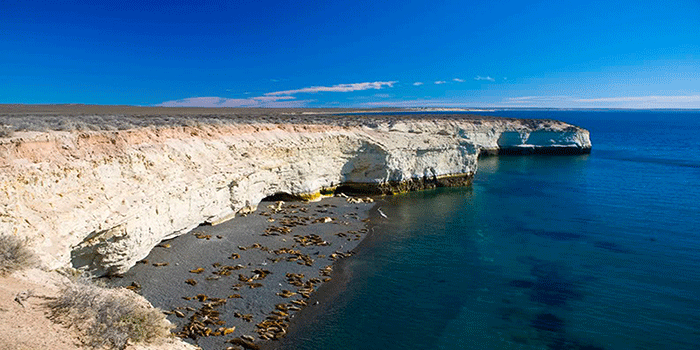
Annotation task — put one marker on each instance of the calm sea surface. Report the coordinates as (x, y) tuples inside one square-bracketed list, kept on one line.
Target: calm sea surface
[(600, 251)]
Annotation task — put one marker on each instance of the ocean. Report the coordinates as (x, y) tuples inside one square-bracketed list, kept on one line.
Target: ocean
[(598, 251)]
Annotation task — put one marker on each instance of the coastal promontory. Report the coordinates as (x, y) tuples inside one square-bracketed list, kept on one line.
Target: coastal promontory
[(96, 188)]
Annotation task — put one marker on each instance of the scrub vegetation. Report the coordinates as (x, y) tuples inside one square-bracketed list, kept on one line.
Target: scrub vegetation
[(108, 317), (14, 255), (15, 118)]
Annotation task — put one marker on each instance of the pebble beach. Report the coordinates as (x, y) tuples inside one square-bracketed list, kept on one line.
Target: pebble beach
[(239, 284)]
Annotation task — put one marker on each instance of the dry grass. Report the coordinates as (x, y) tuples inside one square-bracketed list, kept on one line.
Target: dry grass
[(17, 118), (107, 317), (14, 255)]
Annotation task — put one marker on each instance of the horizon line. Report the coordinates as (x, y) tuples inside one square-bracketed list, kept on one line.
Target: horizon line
[(446, 109)]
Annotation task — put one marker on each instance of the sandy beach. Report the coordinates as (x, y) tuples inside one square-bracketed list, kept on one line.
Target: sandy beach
[(249, 276)]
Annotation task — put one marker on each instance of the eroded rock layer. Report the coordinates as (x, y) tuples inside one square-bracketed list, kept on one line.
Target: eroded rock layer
[(101, 200)]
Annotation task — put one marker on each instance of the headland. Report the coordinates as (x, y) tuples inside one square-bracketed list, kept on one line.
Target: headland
[(97, 188)]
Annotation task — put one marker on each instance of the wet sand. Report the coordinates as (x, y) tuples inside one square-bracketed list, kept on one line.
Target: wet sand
[(253, 273)]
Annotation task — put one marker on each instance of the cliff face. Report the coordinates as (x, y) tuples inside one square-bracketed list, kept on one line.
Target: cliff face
[(101, 200)]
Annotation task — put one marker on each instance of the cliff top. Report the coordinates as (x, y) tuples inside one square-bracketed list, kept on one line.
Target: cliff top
[(72, 117)]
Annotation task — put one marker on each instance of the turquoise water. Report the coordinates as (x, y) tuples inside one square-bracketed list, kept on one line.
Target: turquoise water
[(599, 251)]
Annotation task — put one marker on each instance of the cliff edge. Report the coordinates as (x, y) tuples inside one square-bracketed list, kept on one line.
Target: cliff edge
[(101, 199)]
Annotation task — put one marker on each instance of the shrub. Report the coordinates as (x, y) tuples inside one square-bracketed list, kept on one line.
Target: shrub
[(108, 317), (14, 254)]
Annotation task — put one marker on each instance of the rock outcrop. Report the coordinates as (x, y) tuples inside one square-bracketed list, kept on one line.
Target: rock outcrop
[(101, 200)]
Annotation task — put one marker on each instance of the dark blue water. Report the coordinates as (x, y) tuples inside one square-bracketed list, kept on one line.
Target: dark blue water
[(600, 251)]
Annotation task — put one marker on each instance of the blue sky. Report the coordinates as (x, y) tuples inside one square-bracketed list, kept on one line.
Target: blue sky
[(569, 54)]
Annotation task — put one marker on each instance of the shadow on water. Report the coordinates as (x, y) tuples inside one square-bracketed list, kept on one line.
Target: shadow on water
[(556, 235), (548, 322), (613, 247), (551, 286)]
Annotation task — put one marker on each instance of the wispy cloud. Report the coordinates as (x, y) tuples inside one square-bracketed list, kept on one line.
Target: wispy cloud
[(262, 101), (458, 80), (488, 78), (276, 99), (645, 99), (439, 82), (336, 88), (424, 103), (651, 101), (418, 83), (537, 99), (555, 101)]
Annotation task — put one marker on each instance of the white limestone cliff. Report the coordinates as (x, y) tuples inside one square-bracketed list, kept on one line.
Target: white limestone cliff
[(101, 200)]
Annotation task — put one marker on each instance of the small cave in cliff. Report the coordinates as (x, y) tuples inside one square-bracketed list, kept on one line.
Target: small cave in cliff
[(282, 196)]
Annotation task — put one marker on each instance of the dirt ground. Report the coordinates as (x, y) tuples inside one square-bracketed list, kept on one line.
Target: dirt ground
[(26, 325)]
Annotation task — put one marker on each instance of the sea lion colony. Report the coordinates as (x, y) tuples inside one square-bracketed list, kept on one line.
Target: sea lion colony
[(204, 316)]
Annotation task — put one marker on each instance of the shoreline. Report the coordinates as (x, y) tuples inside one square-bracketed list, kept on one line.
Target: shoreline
[(329, 292), (237, 298)]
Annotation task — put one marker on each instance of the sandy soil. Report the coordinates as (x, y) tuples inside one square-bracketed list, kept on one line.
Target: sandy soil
[(26, 326), (339, 227)]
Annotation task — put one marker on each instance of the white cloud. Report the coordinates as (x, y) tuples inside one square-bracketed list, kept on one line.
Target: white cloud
[(537, 99), (418, 83), (645, 99), (458, 80), (262, 101), (439, 82), (556, 101), (278, 99), (651, 101), (479, 77), (336, 88)]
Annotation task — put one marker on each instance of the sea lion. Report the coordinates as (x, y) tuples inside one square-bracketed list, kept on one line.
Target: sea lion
[(200, 235), (133, 286), (245, 343), (286, 293), (298, 302)]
